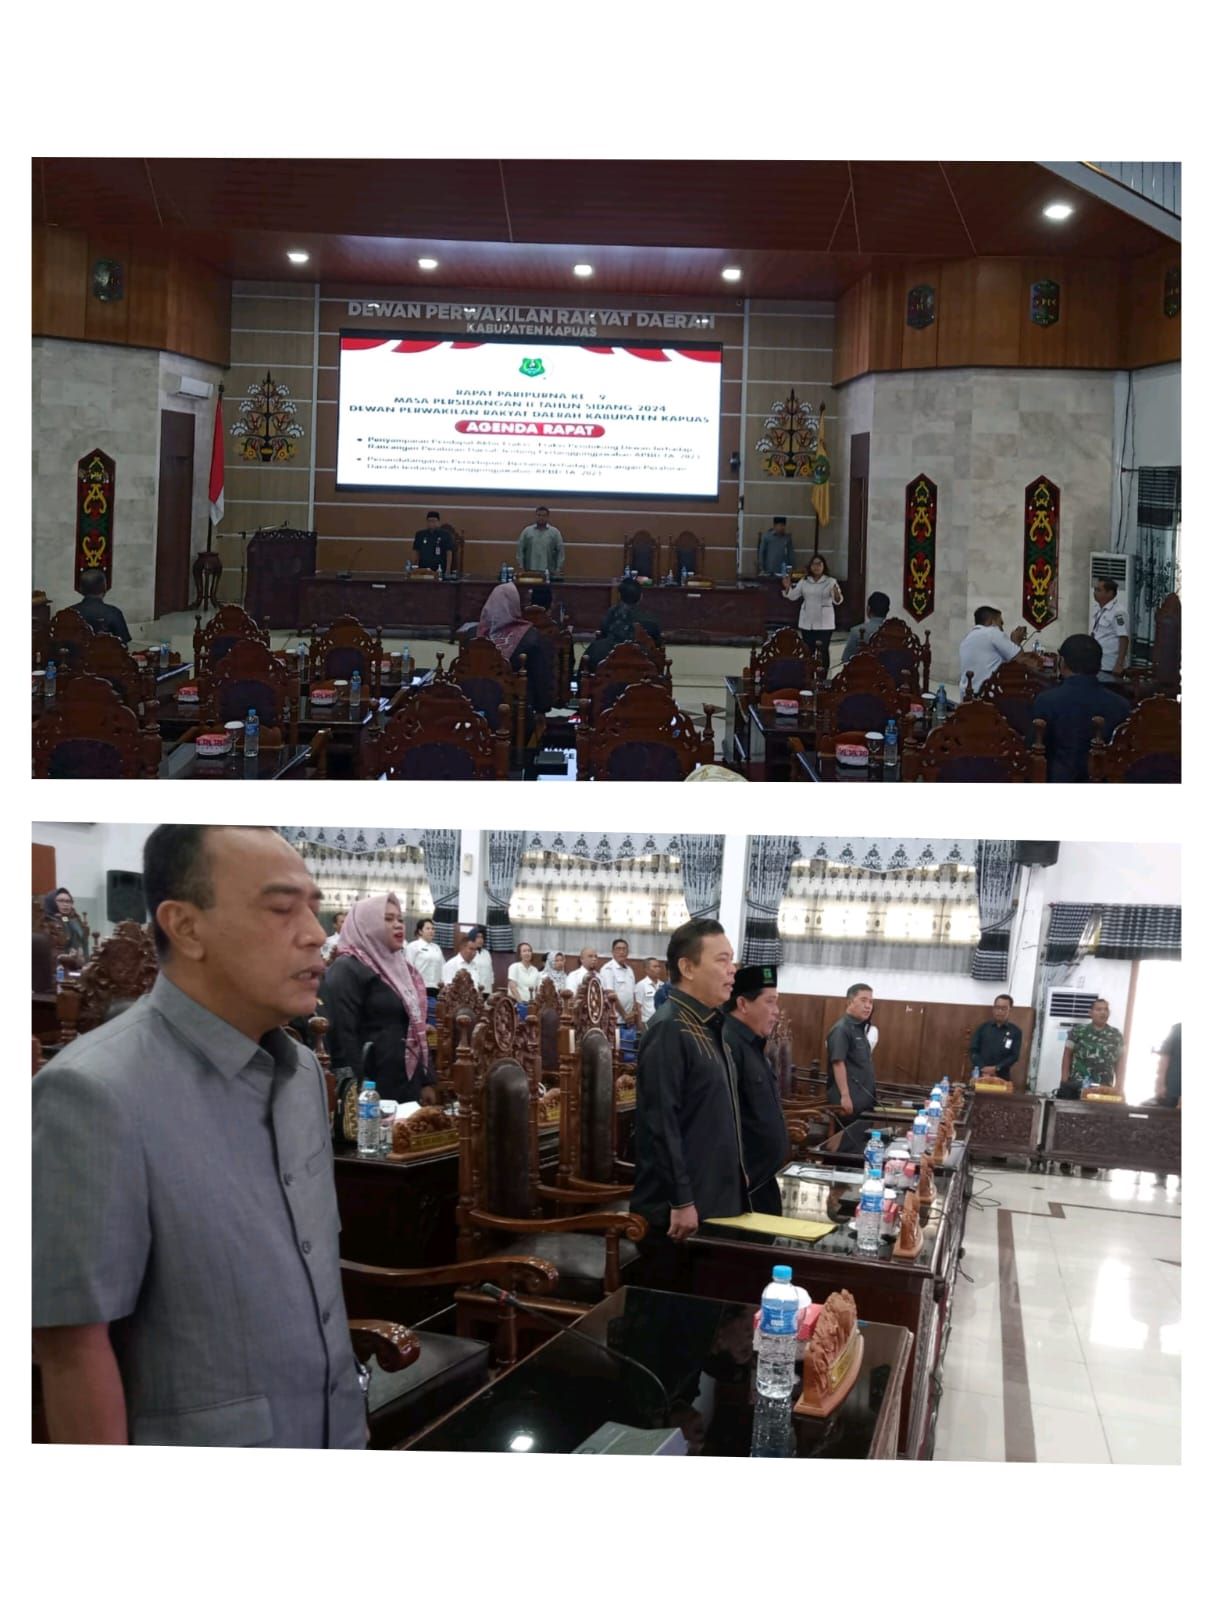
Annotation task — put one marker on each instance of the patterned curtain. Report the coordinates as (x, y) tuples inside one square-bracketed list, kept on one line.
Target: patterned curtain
[(997, 876), (1139, 933), (441, 846), (770, 866), (890, 855), (1155, 570), (505, 857), (604, 847), (355, 841), (702, 855)]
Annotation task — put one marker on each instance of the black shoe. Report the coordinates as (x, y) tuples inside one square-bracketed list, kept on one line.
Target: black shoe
[(1089, 1172), (1064, 1168)]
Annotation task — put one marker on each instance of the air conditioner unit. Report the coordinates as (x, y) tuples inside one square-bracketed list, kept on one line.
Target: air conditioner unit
[(1063, 1008), (195, 388), (1118, 569)]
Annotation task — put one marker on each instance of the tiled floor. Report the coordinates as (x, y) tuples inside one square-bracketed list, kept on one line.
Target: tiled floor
[(1098, 1296)]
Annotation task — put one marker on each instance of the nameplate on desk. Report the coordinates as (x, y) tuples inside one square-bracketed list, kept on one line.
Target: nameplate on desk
[(379, 586)]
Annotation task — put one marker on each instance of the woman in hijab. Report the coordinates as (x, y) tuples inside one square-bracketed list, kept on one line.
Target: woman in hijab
[(375, 1001), (502, 621), (553, 968), (61, 908)]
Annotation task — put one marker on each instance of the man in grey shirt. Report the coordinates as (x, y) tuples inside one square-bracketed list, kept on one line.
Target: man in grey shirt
[(878, 612), (540, 547), (775, 549), (186, 1272)]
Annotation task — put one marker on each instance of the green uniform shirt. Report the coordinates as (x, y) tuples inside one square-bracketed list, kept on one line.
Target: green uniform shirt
[(1096, 1052)]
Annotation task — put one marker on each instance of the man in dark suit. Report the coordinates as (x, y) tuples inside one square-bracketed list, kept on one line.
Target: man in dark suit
[(101, 618), (749, 1017), (1068, 709)]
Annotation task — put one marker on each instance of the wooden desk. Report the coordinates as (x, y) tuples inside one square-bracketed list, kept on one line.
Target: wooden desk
[(1141, 1138), (701, 1352), (427, 609), (769, 755), (270, 764), (1006, 1124)]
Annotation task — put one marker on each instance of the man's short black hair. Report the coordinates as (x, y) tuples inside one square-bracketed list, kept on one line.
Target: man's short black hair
[(435, 515), (629, 591), (621, 941), (858, 988), (878, 603), (779, 522), (478, 931), (538, 509), (1005, 997), (176, 867), (1082, 655), (984, 615), (688, 941), (465, 938), (1109, 583), (92, 584)]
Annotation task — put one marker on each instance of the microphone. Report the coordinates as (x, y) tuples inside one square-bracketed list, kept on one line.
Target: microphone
[(504, 1297), (345, 572)]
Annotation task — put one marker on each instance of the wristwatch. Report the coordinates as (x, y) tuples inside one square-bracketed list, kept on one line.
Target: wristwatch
[(364, 1377)]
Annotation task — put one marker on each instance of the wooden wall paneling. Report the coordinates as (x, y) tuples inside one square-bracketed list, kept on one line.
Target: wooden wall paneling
[(147, 288), (1150, 337), (60, 282), (851, 331), (957, 319), (899, 1050), (1000, 312), (1093, 320), (920, 346), (200, 313), (888, 297), (43, 878), (107, 321), (1044, 347)]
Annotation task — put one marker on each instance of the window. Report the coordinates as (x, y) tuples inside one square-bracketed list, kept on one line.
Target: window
[(561, 899), (344, 878), (920, 918)]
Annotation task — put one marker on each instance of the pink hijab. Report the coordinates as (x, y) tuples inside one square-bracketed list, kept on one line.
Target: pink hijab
[(364, 936), (502, 620)]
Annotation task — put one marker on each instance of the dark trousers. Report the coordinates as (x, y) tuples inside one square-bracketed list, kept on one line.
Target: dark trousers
[(767, 1198), (818, 640)]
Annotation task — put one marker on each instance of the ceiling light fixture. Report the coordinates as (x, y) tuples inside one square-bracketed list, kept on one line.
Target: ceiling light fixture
[(298, 257), (522, 1441), (731, 274), (583, 270), (1059, 211), (426, 263)]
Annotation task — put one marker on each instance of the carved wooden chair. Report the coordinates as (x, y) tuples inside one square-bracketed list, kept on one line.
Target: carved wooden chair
[(123, 969), (457, 542), (975, 745), (494, 687), (457, 1010), (554, 1009), (108, 658), (644, 737), (858, 700), (67, 638), (781, 662), (642, 553), (599, 687), (249, 675), (1011, 689), (899, 649), (560, 636), (501, 1200), (437, 733), (229, 624), (686, 555), (1163, 672), (1144, 748), (346, 647), (588, 1079), (644, 640), (89, 733)]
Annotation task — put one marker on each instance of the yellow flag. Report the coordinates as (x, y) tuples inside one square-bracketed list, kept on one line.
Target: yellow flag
[(821, 472)]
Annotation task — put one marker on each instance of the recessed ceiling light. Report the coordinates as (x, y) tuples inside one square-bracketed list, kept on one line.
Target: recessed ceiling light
[(731, 274), (1058, 212), (426, 263), (583, 270), (522, 1441), (298, 257)]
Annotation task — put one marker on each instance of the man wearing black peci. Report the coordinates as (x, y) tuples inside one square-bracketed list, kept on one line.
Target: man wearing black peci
[(434, 544), (995, 1045), (750, 1015), (852, 1078)]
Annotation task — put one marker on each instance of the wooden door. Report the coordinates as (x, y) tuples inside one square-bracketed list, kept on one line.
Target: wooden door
[(175, 511), (854, 607), (43, 869)]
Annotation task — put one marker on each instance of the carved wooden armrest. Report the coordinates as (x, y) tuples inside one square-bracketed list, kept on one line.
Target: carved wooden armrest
[(318, 750), (626, 1223), (599, 1191), (392, 1344), (529, 1273)]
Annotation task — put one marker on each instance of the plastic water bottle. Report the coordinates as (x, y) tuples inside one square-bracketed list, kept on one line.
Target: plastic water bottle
[(918, 1136), (49, 682), (940, 712), (772, 1435), (301, 656), (777, 1336), (355, 690), (873, 1157), (164, 654), (890, 743), (867, 1218), (252, 733), (60, 976), (368, 1120), (933, 1113)]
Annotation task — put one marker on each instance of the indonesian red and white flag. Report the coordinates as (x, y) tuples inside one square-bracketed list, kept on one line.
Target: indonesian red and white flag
[(216, 485)]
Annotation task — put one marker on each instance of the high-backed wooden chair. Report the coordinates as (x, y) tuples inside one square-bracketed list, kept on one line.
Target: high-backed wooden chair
[(89, 733), (899, 649), (248, 675), (599, 687), (457, 1010), (686, 554), (858, 700), (123, 969), (437, 733), (642, 553), (554, 1009), (782, 661), (108, 658), (588, 1078), (1011, 690), (644, 640), (1164, 669), (560, 636), (501, 1200), (67, 638), (644, 737), (494, 687), (346, 647), (229, 624), (975, 745), (457, 542), (1144, 748)]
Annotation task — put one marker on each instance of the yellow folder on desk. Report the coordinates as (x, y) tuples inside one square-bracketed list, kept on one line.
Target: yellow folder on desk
[(786, 1227)]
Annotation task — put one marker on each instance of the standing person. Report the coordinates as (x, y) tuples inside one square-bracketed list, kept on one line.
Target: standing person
[(330, 944), (502, 621), (540, 546), (61, 908), (818, 595), (852, 1082), (878, 614), (750, 1015), (524, 977), (618, 977), (1094, 1055), (375, 1000), (1110, 627), (589, 963), (482, 961), (646, 990), (775, 553), (464, 959), (186, 1268), (995, 1045), (426, 956), (985, 647), (434, 544), (689, 1162), (96, 611), (1066, 711), (1168, 1085), (553, 968)]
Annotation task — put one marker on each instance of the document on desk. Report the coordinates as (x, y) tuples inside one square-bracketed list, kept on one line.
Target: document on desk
[(789, 1227)]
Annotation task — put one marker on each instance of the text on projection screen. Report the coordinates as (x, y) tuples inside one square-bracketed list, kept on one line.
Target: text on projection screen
[(456, 414)]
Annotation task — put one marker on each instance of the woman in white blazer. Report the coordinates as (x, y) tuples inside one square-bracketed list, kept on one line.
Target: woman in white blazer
[(818, 595)]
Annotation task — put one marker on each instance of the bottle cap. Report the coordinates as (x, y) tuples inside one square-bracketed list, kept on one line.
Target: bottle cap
[(368, 1083), (781, 1274)]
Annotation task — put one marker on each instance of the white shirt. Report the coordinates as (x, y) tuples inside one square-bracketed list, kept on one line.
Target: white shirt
[(329, 945), (527, 979), (982, 651), (458, 964), (621, 981), (645, 990), (482, 971), (816, 596), (1108, 624), (873, 1035), (576, 978), (428, 960)]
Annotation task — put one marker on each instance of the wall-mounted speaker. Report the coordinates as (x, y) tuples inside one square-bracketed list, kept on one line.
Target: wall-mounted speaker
[(1036, 852), (124, 900)]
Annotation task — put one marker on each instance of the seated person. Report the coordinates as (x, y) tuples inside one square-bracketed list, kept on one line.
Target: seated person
[(541, 596), (434, 545), (878, 611), (101, 618), (775, 552), (985, 647), (620, 624), (1067, 710), (502, 622)]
